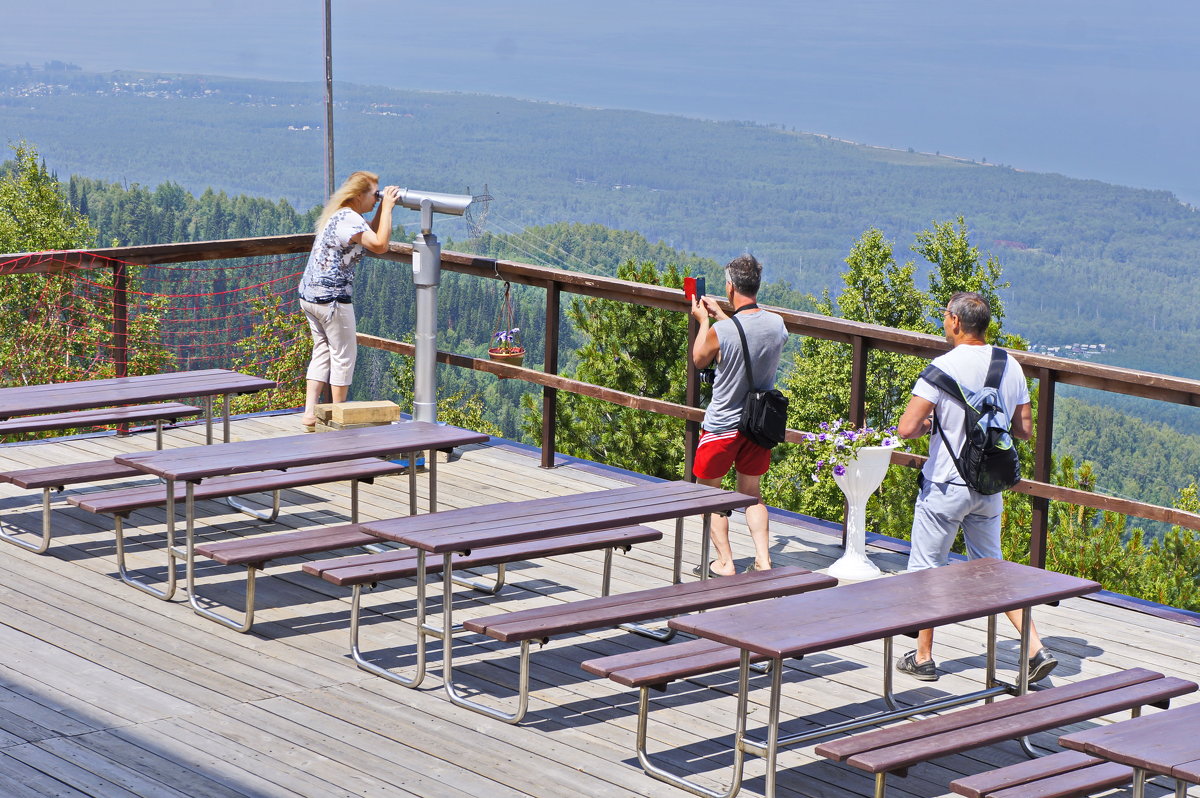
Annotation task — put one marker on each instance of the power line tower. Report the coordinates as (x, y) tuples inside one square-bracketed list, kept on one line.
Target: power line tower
[(477, 212)]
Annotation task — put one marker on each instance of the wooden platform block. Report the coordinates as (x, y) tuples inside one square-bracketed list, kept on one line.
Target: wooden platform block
[(363, 413)]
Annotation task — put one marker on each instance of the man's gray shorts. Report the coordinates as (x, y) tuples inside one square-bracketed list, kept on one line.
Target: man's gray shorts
[(940, 510)]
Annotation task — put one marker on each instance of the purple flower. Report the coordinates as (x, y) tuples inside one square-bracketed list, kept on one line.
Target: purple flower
[(824, 425), (820, 464), (887, 442), (822, 437), (839, 470)]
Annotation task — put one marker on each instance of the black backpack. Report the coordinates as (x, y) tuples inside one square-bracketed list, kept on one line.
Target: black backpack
[(988, 462)]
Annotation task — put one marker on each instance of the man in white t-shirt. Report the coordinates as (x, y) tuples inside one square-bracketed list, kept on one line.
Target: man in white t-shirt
[(945, 503)]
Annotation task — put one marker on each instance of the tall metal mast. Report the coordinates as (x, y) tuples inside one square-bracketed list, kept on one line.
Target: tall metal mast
[(329, 173)]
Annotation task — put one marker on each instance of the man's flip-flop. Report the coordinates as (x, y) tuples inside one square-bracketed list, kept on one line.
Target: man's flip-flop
[(711, 572)]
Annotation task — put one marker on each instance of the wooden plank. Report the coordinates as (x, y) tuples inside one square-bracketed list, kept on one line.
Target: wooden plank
[(291, 688), (22, 780)]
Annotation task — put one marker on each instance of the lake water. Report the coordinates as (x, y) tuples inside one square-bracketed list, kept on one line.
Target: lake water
[(1090, 88)]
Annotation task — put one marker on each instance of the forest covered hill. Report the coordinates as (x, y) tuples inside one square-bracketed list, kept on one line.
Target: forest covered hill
[(1088, 262), (1120, 260)]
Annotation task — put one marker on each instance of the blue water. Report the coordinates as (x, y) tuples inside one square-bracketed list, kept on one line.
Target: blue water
[(1097, 89)]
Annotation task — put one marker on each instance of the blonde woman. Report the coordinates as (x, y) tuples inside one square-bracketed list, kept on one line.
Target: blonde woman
[(326, 287)]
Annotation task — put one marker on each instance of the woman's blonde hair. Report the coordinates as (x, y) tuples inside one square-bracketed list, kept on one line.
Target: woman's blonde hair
[(355, 184)]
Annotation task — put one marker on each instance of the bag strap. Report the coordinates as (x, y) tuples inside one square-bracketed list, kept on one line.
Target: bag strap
[(745, 351), (996, 369)]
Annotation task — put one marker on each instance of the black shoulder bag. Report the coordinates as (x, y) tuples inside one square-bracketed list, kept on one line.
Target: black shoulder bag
[(764, 414)]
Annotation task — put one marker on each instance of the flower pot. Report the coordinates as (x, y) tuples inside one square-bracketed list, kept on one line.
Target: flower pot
[(513, 357), (862, 477)]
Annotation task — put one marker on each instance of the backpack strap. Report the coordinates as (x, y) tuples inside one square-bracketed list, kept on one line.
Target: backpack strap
[(951, 387), (996, 368)]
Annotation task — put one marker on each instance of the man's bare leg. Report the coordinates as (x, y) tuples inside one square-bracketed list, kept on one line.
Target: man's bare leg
[(757, 520), (719, 535)]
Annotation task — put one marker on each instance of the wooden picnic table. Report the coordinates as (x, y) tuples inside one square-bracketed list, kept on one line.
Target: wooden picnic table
[(1166, 743), (193, 464), (866, 611), (462, 530), (29, 400)]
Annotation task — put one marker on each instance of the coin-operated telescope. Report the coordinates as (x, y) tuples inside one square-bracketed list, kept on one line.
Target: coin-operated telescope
[(427, 275)]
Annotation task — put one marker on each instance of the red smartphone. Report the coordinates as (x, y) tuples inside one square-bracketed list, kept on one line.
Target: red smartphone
[(693, 287)]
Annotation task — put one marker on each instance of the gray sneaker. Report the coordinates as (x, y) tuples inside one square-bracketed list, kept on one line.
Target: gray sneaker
[(925, 671), (1041, 664)]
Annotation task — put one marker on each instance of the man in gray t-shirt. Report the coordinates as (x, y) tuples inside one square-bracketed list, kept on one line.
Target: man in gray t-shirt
[(721, 445)]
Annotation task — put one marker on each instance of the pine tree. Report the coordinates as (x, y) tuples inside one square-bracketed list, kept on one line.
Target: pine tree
[(630, 348)]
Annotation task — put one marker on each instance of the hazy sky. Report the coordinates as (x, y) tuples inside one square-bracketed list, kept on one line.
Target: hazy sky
[(1090, 88)]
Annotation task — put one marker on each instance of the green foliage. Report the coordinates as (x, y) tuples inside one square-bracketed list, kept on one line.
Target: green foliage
[(35, 215), (55, 327), (278, 348), (459, 408), (1102, 546), (877, 291), (634, 349)]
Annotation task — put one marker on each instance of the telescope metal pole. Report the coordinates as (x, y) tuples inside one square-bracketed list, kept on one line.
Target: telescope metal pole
[(427, 274)]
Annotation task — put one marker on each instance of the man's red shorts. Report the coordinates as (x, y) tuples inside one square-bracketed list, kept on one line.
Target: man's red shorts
[(718, 451)]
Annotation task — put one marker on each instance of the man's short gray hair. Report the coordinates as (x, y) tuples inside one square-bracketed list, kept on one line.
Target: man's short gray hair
[(972, 311), (745, 273)]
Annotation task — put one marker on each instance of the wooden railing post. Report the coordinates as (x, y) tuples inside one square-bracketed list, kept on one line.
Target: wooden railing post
[(858, 381), (1040, 517), (858, 399), (550, 395), (691, 429), (120, 323)]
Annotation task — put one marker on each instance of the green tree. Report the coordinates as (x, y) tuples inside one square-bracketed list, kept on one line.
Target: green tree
[(56, 327), (278, 348), (876, 290), (630, 348)]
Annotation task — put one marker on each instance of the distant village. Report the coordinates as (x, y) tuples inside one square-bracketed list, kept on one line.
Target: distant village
[(1072, 351)]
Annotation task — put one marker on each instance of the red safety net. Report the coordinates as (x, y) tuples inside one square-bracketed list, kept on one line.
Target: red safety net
[(212, 314)]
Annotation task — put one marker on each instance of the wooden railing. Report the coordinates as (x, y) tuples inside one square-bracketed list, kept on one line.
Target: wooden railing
[(1049, 372)]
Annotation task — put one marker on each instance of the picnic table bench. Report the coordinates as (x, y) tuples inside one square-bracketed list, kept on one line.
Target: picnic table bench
[(85, 403), (64, 398), (270, 464), (358, 570), (468, 529), (895, 749), (158, 413), (863, 612), (542, 623), (1067, 774), (1165, 743), (51, 479), (120, 503)]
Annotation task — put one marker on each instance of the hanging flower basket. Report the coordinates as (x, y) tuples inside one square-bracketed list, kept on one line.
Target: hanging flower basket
[(513, 356), (507, 338)]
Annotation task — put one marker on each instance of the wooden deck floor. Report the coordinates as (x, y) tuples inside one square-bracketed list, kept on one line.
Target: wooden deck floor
[(105, 691)]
